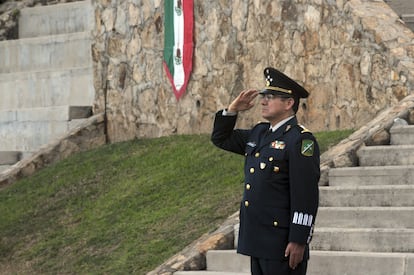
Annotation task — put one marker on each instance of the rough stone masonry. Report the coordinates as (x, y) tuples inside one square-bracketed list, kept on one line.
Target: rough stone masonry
[(354, 56)]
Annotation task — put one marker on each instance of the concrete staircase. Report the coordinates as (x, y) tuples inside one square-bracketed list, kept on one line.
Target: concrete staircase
[(404, 9), (46, 78), (365, 223)]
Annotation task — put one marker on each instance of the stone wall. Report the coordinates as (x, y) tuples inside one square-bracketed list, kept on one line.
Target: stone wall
[(355, 57)]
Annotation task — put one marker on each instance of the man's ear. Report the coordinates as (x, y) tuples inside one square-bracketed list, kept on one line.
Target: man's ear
[(291, 102)]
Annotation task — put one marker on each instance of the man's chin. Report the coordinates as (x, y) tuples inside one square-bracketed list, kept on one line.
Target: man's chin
[(265, 116)]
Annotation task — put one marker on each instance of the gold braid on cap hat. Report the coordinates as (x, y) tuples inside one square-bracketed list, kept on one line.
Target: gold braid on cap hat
[(268, 87)]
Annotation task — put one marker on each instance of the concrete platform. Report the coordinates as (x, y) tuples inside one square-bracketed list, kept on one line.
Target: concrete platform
[(220, 260), (366, 217), (56, 19), (73, 86), (408, 20), (371, 175), (323, 263), (401, 6), (360, 263), (397, 195), (45, 75), (363, 239), (45, 53), (402, 135), (53, 113), (386, 155), (31, 135)]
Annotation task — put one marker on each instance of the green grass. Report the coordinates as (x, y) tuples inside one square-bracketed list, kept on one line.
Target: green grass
[(121, 209)]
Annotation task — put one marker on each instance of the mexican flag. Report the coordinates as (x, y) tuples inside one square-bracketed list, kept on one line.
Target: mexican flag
[(178, 43)]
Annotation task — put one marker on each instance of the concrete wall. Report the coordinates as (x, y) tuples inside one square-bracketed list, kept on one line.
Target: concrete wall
[(355, 57)]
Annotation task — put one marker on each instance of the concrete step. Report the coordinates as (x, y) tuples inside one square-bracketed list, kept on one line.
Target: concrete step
[(401, 6), (386, 155), (54, 113), (322, 263), (223, 262), (31, 135), (56, 19), (9, 157), (366, 217), (402, 135), (360, 263), (363, 239), (227, 260), (381, 195), (28, 135), (72, 86), (46, 53), (371, 175), (408, 20)]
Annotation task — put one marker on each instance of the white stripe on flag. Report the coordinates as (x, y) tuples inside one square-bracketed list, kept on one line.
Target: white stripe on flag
[(179, 75)]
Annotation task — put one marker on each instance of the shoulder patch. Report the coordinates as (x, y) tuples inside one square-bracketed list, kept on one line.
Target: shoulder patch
[(307, 147)]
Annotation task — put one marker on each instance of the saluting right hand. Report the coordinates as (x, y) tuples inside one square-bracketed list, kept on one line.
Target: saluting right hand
[(243, 102)]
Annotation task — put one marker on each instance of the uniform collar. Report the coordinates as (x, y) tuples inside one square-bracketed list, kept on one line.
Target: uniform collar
[(274, 128)]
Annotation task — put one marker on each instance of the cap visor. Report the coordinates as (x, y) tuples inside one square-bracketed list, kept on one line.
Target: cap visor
[(266, 91)]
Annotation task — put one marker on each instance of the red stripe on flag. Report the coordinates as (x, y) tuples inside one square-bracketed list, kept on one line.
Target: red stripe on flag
[(188, 44)]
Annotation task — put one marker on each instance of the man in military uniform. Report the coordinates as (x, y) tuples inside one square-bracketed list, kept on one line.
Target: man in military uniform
[(280, 199)]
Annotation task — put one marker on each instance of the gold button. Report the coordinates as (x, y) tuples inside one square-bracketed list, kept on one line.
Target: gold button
[(257, 155), (251, 170), (275, 223), (246, 203), (271, 159), (248, 186), (276, 169)]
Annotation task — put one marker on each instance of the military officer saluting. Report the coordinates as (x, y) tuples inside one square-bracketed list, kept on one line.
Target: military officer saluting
[(280, 199)]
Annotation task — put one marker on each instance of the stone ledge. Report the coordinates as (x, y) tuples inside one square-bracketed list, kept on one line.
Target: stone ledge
[(376, 132), (193, 257), (88, 135)]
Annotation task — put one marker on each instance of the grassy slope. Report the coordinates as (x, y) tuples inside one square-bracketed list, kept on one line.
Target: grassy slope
[(121, 209)]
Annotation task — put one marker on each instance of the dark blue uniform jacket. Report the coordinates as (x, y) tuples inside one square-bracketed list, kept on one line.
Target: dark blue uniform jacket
[(280, 199)]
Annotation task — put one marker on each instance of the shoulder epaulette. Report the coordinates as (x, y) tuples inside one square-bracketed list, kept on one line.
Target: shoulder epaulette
[(303, 129)]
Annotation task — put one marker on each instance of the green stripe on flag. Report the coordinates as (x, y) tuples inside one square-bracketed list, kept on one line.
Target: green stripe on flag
[(169, 34)]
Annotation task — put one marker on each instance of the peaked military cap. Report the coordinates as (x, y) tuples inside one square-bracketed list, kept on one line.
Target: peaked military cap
[(279, 83)]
